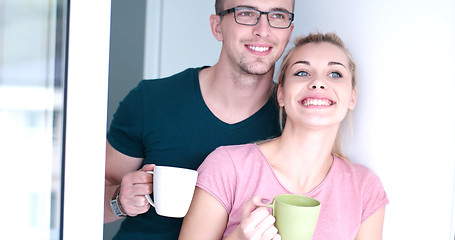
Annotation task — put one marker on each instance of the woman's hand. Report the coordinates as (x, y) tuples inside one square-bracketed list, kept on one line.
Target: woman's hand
[(257, 222)]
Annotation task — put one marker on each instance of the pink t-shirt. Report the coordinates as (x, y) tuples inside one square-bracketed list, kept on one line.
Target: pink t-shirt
[(349, 194)]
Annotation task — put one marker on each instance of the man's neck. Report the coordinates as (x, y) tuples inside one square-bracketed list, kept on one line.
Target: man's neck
[(232, 96)]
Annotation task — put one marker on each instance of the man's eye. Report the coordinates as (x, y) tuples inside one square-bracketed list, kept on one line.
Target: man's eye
[(335, 75), (301, 74), (277, 15), (246, 14)]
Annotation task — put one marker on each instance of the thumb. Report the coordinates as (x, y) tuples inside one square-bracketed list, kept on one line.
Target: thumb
[(148, 167), (252, 204)]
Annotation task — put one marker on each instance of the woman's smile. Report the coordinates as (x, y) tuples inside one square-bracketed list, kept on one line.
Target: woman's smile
[(317, 102)]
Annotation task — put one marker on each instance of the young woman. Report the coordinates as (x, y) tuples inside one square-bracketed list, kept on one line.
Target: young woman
[(316, 90)]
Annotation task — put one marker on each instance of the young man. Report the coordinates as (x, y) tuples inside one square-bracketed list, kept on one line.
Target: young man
[(178, 121)]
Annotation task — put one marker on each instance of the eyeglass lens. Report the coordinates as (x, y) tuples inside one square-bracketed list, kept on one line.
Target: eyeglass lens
[(250, 16)]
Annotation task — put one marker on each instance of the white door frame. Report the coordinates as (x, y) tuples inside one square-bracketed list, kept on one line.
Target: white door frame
[(88, 65)]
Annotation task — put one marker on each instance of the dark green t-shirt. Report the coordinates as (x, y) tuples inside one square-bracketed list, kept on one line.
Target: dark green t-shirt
[(166, 122)]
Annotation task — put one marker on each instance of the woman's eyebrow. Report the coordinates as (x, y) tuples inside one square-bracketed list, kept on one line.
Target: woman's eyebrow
[(336, 63), (302, 62), (329, 64)]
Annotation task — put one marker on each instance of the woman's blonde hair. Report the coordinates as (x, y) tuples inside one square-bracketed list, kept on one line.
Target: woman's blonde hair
[(331, 38)]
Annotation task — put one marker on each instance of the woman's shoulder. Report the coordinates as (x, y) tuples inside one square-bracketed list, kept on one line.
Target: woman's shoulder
[(238, 149), (237, 152), (353, 170), (233, 156)]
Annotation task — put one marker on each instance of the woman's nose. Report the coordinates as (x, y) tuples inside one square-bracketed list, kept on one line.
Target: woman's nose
[(318, 84)]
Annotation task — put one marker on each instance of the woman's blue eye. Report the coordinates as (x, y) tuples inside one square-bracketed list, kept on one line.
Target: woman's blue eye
[(335, 75), (301, 74)]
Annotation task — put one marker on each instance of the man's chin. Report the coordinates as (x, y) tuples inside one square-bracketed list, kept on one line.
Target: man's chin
[(257, 69)]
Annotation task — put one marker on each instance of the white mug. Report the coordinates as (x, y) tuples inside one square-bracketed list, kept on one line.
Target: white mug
[(173, 190)]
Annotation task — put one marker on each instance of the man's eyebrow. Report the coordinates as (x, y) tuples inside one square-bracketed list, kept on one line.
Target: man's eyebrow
[(336, 63), (248, 6), (280, 9), (273, 9)]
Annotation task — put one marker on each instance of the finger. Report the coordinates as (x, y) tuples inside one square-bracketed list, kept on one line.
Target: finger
[(141, 189), (277, 237), (253, 225), (252, 204), (148, 167), (134, 205), (259, 201), (136, 177), (134, 211), (266, 229), (139, 201), (270, 233), (129, 190), (132, 196)]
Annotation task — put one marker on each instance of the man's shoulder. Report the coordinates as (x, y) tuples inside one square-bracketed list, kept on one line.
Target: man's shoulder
[(183, 86), (178, 78)]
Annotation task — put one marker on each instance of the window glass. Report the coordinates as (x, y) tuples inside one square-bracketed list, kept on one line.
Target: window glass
[(32, 58)]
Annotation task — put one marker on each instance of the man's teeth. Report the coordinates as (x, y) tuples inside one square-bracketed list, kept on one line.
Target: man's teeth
[(258, 49), (317, 102)]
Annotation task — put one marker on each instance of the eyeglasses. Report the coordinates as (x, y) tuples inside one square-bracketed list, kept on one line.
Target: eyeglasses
[(250, 16)]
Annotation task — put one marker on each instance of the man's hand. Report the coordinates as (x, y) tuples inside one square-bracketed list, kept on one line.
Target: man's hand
[(134, 187)]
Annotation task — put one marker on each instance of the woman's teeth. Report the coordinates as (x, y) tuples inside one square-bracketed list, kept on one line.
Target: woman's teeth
[(316, 102)]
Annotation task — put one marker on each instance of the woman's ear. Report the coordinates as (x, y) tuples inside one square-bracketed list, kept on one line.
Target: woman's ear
[(215, 25), (353, 99), (280, 96)]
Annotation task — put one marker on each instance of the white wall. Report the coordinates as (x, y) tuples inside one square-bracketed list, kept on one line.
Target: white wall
[(404, 124), (184, 37)]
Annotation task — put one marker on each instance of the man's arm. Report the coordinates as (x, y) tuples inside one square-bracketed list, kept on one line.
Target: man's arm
[(123, 170)]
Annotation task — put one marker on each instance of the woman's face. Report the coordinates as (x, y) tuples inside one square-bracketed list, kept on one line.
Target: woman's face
[(317, 90)]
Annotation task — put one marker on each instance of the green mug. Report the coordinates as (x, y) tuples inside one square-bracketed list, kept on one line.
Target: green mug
[(296, 216)]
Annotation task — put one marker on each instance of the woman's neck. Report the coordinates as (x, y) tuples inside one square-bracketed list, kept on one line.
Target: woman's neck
[(301, 159)]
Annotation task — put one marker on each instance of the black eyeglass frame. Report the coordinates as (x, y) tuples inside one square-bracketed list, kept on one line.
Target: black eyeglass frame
[(232, 10)]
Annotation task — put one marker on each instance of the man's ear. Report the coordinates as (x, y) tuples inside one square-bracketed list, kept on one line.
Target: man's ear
[(215, 25)]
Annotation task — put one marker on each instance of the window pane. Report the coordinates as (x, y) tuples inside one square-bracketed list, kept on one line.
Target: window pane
[(32, 38)]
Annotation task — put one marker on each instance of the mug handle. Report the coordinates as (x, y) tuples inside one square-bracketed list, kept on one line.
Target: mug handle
[(272, 206), (149, 199)]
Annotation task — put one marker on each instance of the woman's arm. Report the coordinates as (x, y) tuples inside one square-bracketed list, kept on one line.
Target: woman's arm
[(206, 218), (371, 229)]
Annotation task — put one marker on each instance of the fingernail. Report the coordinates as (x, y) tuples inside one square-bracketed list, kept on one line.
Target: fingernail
[(265, 201)]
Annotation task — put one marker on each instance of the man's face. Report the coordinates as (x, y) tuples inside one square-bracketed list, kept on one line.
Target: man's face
[(254, 49)]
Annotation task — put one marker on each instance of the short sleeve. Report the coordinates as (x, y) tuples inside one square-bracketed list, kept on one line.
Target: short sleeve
[(217, 176), (125, 132), (375, 196)]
